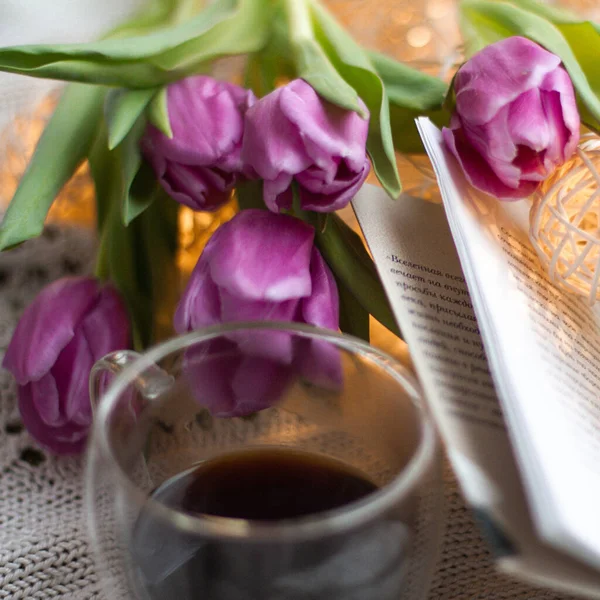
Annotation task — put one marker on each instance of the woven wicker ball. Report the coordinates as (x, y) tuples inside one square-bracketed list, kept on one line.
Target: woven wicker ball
[(565, 222)]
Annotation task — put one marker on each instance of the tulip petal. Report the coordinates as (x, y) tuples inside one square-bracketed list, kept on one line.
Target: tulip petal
[(560, 83), (46, 400), (106, 327), (272, 144), (320, 363), (200, 303), (207, 120), (494, 143), (333, 194), (275, 345), (527, 121), (201, 162), (200, 188), (234, 308), (67, 439), (478, 172), (259, 384), (327, 131), (47, 326), (558, 149), (498, 75), (277, 192), (531, 164), (259, 255), (209, 369), (321, 308), (71, 372)]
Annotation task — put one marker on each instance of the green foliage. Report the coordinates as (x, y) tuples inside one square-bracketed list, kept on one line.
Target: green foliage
[(411, 94), (158, 113), (249, 194), (122, 109), (138, 258), (354, 318), (63, 146), (223, 28), (346, 255)]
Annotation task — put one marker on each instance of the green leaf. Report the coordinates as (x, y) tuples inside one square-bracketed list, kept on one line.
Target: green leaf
[(411, 94), (555, 14), (404, 129), (275, 62), (354, 319), (63, 146), (223, 28), (243, 30), (249, 194), (143, 192), (132, 184), (116, 259), (122, 109), (159, 226), (122, 256), (314, 66), (350, 262), (408, 87), (138, 259), (158, 113), (104, 174), (353, 64), (487, 22), (156, 14), (129, 158)]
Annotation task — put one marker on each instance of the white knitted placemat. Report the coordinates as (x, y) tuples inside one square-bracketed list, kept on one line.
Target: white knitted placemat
[(44, 550)]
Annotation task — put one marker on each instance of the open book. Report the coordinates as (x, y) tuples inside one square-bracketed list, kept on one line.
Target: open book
[(510, 366)]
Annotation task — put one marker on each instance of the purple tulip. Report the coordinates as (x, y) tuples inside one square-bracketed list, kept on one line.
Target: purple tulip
[(292, 134), (69, 326), (200, 164), (259, 266), (231, 382), (516, 118)]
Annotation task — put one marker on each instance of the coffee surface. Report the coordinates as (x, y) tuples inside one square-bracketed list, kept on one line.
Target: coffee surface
[(267, 485), (270, 485)]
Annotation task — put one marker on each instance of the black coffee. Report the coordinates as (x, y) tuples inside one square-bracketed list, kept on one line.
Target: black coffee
[(271, 485), (267, 485)]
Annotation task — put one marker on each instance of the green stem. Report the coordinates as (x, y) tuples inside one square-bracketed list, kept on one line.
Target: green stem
[(186, 10), (299, 20)]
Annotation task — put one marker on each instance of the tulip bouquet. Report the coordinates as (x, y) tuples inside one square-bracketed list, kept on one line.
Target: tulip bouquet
[(290, 141)]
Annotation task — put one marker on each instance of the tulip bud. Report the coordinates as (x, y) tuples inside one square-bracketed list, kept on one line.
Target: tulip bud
[(516, 118), (200, 164), (70, 325), (293, 134), (259, 266)]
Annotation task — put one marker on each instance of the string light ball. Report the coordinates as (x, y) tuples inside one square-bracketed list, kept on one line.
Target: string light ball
[(565, 222)]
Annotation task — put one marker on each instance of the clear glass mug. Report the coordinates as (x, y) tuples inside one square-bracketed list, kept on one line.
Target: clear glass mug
[(260, 385)]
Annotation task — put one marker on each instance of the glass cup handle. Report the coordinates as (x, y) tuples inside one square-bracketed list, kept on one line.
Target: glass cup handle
[(150, 383)]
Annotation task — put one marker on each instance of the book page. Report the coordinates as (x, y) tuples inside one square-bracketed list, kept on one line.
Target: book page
[(415, 255), (414, 252), (543, 350)]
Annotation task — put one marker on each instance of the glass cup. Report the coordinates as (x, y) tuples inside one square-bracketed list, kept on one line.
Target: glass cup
[(243, 387)]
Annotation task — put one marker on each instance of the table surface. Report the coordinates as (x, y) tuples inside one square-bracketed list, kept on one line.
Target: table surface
[(44, 550)]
